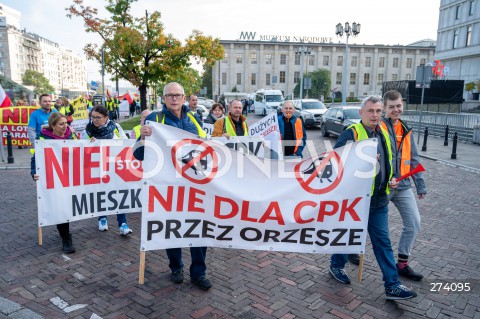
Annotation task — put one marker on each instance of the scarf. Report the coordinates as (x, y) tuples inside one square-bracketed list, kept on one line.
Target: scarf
[(217, 118), (48, 135), (104, 132)]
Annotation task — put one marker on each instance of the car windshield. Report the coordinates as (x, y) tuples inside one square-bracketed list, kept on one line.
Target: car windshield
[(352, 114), (317, 105), (273, 98)]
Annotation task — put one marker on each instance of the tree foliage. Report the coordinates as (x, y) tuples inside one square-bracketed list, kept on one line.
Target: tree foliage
[(320, 84), (190, 80), (38, 80), (137, 48), (207, 80)]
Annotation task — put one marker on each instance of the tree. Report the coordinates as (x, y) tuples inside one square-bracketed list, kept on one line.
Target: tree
[(207, 80), (137, 49), (320, 84), (38, 80), (190, 80)]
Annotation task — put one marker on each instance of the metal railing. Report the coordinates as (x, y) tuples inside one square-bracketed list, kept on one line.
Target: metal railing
[(463, 124)]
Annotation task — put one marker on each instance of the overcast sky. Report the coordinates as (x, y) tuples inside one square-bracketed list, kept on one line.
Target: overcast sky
[(382, 21)]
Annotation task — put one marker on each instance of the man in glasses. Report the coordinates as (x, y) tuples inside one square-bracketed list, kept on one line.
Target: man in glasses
[(175, 113)]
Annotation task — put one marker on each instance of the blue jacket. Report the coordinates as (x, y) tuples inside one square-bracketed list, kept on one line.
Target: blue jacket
[(282, 129), (183, 123)]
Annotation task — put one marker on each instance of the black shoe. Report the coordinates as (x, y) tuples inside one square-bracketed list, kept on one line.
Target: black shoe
[(177, 276), (354, 259), (68, 245), (202, 282), (409, 273)]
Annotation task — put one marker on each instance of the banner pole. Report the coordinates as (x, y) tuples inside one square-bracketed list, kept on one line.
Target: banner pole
[(141, 271), (39, 236), (360, 268)]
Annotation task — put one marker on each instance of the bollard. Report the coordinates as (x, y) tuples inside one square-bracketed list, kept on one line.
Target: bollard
[(425, 136), (454, 149), (10, 159), (445, 142)]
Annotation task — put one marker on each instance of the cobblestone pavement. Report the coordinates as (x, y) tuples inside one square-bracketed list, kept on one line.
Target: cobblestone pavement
[(100, 280)]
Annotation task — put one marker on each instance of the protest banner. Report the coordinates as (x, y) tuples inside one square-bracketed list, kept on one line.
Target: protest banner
[(80, 116), (15, 120), (205, 194), (84, 179), (268, 128)]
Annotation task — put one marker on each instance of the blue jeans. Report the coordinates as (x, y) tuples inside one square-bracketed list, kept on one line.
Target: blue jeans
[(406, 204), (197, 268), (121, 218), (382, 247)]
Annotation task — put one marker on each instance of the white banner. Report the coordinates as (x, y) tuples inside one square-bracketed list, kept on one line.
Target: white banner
[(268, 128), (208, 128), (244, 144), (83, 179), (201, 193)]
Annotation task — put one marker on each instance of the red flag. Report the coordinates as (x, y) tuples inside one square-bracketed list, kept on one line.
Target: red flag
[(416, 170), (4, 99), (126, 96), (108, 95)]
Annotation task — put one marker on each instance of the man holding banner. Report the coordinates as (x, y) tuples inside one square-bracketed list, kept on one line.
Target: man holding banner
[(234, 124), (292, 130), (175, 114), (370, 112)]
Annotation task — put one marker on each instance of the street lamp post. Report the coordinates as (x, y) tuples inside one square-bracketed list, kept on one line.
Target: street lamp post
[(354, 30), (303, 50)]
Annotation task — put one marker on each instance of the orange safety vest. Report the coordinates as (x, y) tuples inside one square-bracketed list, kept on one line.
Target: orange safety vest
[(405, 147), (298, 134)]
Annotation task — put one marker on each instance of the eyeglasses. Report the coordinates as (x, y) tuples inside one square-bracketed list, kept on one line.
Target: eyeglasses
[(176, 96), (97, 117)]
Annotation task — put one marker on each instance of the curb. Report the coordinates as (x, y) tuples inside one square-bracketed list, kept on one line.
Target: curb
[(476, 170), (10, 309)]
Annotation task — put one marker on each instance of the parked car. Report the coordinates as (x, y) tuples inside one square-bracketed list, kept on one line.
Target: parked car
[(338, 118), (205, 102), (203, 110), (311, 111)]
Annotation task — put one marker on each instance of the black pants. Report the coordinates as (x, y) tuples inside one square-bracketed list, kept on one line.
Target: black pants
[(64, 230)]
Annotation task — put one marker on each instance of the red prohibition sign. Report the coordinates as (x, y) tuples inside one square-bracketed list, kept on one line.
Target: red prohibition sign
[(318, 173), (183, 168)]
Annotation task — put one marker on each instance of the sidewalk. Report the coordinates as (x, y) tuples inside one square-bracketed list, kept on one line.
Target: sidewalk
[(100, 280)]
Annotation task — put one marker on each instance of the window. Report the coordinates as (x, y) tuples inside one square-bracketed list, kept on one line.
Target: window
[(225, 57), (366, 79), (239, 78), (224, 78), (455, 39), (408, 77), (325, 60), (409, 63), (379, 79), (282, 76), (253, 58), (457, 12), (469, 36), (297, 59), (394, 77), (283, 59), (296, 77), (311, 60), (239, 57), (354, 61), (381, 62), (267, 79), (395, 62), (339, 78), (254, 79), (268, 58), (339, 60), (368, 61), (353, 77), (422, 61), (470, 8)]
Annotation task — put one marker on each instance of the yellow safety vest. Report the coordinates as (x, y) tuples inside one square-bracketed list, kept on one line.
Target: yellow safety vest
[(361, 134), (136, 129), (231, 129)]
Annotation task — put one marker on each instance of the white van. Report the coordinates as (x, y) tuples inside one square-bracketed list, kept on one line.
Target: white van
[(267, 101)]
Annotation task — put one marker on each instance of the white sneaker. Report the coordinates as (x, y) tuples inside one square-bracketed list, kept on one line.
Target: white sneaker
[(102, 224), (124, 230)]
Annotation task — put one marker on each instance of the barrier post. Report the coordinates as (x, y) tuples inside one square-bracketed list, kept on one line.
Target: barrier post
[(425, 136), (445, 142), (10, 159), (454, 149)]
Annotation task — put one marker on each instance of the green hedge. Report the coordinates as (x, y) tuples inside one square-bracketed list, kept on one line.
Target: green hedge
[(129, 124)]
